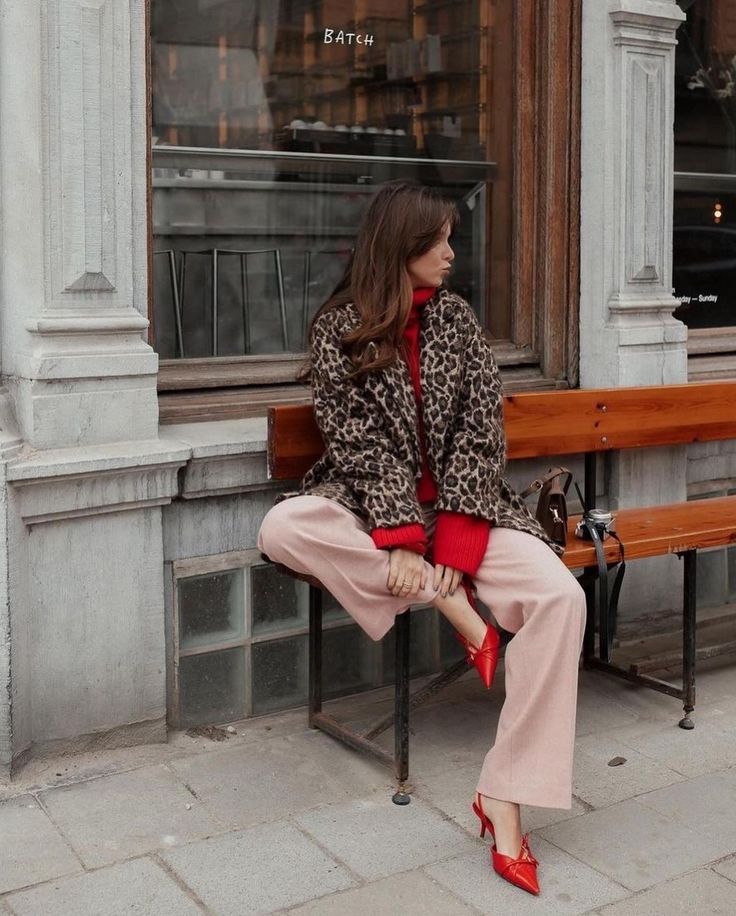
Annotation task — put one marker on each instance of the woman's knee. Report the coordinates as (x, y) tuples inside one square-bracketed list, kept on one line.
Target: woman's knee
[(567, 595), (277, 529), (576, 603)]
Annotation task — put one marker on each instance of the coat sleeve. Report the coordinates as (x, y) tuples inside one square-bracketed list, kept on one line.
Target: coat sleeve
[(475, 458), (356, 438)]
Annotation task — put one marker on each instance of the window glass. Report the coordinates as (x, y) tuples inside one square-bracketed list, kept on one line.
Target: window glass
[(210, 608), (273, 122), (704, 242)]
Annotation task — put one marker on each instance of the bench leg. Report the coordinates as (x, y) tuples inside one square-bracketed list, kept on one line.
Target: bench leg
[(401, 708), (588, 578), (315, 653), (688, 637)]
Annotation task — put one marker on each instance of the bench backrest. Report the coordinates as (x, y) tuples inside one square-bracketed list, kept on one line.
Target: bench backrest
[(552, 422)]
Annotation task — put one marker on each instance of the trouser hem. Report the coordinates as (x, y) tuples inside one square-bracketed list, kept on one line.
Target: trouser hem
[(539, 796)]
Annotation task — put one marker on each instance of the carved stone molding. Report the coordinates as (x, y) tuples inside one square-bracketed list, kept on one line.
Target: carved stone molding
[(628, 333), (645, 23), (644, 38), (645, 143), (65, 344), (88, 76)]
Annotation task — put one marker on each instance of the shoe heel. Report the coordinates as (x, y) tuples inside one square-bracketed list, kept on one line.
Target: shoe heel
[(485, 823)]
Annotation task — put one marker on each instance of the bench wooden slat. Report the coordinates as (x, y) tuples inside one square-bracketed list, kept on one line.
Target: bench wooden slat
[(545, 423), (657, 530), (602, 419), (294, 441)]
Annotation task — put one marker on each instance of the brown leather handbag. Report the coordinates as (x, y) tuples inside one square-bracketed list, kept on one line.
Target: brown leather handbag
[(552, 504)]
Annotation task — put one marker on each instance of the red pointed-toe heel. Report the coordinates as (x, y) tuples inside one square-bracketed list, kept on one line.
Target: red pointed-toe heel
[(485, 658), (520, 871)]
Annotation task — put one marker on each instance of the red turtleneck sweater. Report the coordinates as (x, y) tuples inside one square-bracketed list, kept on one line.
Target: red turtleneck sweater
[(460, 540)]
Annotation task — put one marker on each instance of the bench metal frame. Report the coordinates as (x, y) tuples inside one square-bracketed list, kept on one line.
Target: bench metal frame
[(632, 673), (404, 699)]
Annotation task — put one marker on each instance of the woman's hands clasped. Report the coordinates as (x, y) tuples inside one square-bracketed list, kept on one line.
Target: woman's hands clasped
[(407, 576)]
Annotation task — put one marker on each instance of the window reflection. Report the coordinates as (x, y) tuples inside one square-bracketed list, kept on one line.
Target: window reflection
[(373, 77), (704, 242), (274, 121)]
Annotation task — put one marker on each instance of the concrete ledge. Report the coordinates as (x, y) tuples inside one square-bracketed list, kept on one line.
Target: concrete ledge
[(228, 456), (34, 464), (220, 437), (65, 483), (220, 476)]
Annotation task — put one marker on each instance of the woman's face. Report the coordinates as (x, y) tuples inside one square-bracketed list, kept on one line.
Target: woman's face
[(431, 268)]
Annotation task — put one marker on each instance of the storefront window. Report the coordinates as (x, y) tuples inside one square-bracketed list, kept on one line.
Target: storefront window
[(272, 124), (704, 244)]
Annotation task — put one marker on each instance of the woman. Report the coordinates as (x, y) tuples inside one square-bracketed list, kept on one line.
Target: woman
[(409, 501)]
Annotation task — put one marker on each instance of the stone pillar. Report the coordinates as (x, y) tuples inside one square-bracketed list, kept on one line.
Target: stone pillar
[(628, 335), (72, 152), (83, 472), (10, 444)]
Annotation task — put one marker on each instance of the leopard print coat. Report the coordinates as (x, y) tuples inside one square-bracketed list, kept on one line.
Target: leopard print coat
[(372, 462)]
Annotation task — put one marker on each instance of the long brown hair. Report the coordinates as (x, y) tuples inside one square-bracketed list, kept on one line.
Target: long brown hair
[(403, 221)]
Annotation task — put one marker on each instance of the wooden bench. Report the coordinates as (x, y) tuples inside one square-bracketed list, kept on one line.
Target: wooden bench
[(540, 425)]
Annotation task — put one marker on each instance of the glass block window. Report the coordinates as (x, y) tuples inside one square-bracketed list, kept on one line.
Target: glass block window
[(241, 642), (279, 674), (349, 661), (731, 551), (210, 608), (279, 602), (212, 687), (423, 644)]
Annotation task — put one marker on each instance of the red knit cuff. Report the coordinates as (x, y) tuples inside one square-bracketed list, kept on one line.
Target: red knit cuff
[(411, 536), (417, 546), (460, 540)]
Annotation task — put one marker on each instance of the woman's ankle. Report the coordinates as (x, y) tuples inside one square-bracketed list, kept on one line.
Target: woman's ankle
[(500, 804), (463, 617)]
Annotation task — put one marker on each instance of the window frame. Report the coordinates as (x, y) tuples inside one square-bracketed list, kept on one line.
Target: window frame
[(545, 259)]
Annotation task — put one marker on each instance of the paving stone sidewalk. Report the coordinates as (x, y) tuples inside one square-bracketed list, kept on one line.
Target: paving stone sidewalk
[(278, 818)]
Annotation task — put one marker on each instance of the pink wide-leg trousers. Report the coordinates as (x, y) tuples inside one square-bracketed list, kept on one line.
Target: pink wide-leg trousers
[(530, 592)]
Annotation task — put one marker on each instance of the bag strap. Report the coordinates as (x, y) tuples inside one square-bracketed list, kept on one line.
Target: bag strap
[(613, 606), (608, 610), (537, 484)]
